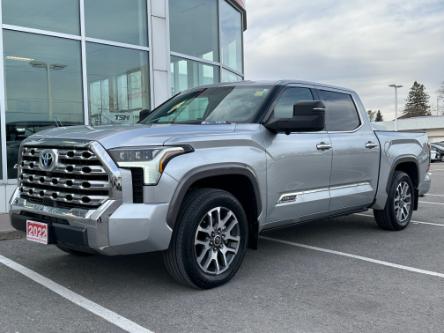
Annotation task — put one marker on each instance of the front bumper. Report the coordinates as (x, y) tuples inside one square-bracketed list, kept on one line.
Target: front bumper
[(113, 229)]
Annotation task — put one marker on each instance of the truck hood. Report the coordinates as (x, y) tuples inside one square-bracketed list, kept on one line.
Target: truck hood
[(111, 136)]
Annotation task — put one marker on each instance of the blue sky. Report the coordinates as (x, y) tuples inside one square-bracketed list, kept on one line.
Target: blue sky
[(363, 45)]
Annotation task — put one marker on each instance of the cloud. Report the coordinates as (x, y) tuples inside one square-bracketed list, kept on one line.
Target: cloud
[(363, 45)]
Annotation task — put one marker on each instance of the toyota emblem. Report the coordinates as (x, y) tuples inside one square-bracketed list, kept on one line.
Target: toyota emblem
[(47, 159)]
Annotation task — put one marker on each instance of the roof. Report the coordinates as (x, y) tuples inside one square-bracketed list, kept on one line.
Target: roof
[(277, 83)]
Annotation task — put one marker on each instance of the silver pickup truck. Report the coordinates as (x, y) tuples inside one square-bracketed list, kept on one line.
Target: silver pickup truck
[(202, 175)]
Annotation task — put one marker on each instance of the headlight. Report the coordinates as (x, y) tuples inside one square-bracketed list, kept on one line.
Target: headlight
[(152, 160)]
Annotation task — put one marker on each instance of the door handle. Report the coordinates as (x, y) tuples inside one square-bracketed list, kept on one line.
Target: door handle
[(323, 146), (371, 145)]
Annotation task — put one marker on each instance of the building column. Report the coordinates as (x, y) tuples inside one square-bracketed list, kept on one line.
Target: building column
[(160, 51)]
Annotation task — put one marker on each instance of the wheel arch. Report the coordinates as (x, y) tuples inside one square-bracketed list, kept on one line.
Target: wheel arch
[(238, 179), (410, 166)]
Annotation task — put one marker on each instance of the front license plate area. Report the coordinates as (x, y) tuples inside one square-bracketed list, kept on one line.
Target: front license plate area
[(37, 232)]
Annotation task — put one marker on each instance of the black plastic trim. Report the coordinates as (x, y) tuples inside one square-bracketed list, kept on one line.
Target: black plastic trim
[(58, 233), (392, 171), (223, 169)]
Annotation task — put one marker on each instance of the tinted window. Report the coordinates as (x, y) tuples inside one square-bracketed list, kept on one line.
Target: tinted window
[(291, 96), (341, 111)]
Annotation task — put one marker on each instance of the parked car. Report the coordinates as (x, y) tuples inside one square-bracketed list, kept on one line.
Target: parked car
[(437, 152), (210, 169)]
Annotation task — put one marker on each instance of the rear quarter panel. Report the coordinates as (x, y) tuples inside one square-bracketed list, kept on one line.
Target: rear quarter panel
[(397, 147)]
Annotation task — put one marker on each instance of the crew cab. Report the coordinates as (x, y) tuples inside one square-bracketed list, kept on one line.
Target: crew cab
[(202, 175)]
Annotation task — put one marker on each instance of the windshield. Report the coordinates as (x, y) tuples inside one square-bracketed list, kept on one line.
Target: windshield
[(233, 104)]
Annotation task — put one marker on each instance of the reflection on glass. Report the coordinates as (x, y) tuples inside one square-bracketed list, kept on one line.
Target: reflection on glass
[(194, 28), (117, 20), (118, 83), (53, 15), (43, 86), (231, 36), (186, 74), (228, 76), (226, 104)]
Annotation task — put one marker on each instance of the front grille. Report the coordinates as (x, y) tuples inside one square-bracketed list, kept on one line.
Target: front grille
[(77, 180)]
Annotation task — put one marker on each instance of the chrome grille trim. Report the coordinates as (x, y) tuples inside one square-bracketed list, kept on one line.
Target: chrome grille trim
[(78, 179)]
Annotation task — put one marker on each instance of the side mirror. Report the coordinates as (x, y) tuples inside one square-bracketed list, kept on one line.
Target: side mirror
[(308, 116), (143, 114)]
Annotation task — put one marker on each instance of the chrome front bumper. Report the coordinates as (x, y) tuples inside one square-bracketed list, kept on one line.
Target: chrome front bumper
[(112, 229)]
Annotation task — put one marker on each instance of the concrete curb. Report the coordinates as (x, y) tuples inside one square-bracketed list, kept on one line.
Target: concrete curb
[(7, 232), (10, 235)]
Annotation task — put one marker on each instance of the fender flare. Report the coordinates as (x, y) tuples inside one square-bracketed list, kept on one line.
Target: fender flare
[(199, 173), (395, 165), (392, 171)]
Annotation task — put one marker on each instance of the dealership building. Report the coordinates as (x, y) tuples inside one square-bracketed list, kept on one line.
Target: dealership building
[(92, 62)]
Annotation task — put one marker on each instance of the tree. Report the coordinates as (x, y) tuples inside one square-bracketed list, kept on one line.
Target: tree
[(441, 91), (440, 98), (417, 102), (379, 116), (371, 115)]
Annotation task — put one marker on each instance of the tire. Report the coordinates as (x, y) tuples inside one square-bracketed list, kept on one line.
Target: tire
[(196, 256), (401, 189), (74, 252)]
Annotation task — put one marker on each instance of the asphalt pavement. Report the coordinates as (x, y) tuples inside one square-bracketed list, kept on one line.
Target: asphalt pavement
[(338, 275)]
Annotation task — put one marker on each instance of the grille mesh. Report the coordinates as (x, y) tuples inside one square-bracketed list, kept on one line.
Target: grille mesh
[(77, 180)]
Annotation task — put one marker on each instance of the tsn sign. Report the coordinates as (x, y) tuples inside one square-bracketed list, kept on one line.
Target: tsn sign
[(122, 117)]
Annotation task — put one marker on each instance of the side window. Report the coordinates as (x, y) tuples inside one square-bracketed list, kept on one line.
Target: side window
[(341, 113), (285, 102)]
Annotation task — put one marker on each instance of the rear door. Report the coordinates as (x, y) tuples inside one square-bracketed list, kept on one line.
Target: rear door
[(355, 164), (298, 166)]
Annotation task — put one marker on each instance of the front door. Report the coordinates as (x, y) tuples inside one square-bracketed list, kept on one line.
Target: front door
[(298, 167)]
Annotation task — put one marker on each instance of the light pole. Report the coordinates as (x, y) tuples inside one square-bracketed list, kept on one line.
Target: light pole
[(396, 86), (48, 68)]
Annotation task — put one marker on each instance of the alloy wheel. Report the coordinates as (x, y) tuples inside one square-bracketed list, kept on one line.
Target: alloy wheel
[(217, 240), (403, 202)]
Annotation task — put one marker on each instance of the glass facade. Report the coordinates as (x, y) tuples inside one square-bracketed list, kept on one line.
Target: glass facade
[(60, 16), (43, 86), (118, 84), (186, 74), (194, 28), (208, 49), (122, 21), (231, 36), (70, 62)]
